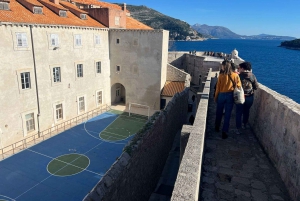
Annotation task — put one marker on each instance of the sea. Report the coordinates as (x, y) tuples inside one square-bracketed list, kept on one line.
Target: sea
[(276, 67)]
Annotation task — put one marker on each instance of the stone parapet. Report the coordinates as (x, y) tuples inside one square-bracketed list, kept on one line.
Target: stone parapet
[(275, 120), (188, 178)]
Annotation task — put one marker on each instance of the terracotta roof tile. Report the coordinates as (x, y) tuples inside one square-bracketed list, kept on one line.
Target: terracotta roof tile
[(70, 5), (134, 24), (171, 88), (98, 3), (33, 2), (53, 4), (19, 14)]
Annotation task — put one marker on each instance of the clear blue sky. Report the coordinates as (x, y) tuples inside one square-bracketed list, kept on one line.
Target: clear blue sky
[(244, 17)]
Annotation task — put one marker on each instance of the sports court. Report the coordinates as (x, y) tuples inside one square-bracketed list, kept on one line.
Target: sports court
[(68, 165)]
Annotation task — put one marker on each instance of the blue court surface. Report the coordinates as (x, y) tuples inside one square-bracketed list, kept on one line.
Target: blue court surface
[(25, 175)]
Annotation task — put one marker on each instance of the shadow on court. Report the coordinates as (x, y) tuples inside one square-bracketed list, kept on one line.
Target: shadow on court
[(67, 166)]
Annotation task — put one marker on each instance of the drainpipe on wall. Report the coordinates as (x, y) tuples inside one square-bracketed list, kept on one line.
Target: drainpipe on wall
[(36, 85)]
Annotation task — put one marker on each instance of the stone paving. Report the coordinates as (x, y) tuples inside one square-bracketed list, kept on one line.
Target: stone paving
[(237, 168)]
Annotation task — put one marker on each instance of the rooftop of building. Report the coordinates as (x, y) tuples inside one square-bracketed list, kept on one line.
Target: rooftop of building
[(172, 87), (19, 13)]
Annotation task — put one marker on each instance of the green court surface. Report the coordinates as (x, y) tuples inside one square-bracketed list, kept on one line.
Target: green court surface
[(123, 127), (68, 165)]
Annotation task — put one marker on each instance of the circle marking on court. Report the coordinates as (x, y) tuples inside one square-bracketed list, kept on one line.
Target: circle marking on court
[(68, 164)]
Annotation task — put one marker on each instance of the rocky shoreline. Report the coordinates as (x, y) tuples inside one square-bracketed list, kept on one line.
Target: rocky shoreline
[(291, 48)]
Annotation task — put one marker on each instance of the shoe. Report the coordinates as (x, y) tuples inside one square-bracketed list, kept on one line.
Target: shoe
[(243, 127), (238, 131), (224, 135)]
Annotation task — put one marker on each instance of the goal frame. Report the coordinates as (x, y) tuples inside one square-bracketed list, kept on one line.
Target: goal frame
[(142, 106)]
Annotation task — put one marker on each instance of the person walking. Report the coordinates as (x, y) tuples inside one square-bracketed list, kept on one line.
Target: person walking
[(249, 84), (224, 96)]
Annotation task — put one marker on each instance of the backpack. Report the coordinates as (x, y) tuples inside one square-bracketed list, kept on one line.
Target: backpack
[(247, 86)]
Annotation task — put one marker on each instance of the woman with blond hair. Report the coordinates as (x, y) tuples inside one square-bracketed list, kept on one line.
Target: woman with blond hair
[(224, 96)]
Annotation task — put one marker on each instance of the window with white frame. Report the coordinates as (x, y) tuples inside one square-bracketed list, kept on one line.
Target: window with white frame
[(99, 98), (81, 104), (59, 111), (118, 68), (30, 122), (117, 20), (25, 80), (56, 74), (21, 40), (118, 92), (54, 40), (77, 39), (97, 40), (98, 66), (79, 70)]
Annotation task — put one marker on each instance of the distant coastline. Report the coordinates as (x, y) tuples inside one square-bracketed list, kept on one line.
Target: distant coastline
[(291, 48)]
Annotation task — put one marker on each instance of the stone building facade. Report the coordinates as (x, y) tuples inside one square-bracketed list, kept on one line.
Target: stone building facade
[(58, 63)]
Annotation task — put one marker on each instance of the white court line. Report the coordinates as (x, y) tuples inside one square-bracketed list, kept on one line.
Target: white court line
[(74, 159), (112, 142), (115, 141), (113, 134), (99, 134), (60, 168), (66, 162), (46, 177), (82, 169), (132, 118), (7, 197)]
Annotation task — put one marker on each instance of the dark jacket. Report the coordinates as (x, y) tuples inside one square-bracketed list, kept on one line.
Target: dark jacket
[(246, 79)]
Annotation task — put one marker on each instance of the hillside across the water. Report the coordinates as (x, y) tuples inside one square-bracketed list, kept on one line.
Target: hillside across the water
[(179, 30), (224, 33)]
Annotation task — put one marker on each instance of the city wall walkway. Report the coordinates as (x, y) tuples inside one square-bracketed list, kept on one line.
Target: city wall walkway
[(237, 168), (216, 169)]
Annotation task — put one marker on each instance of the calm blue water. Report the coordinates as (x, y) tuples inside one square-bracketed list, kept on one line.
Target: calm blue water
[(275, 67)]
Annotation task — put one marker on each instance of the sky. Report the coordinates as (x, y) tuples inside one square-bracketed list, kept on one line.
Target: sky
[(244, 17)]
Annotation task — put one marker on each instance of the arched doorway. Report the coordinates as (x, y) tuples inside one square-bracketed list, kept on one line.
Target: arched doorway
[(118, 94)]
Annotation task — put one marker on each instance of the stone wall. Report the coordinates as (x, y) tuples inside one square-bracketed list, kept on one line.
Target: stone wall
[(195, 65), (275, 120), (215, 66), (188, 178), (175, 74), (142, 59), (177, 59), (136, 172)]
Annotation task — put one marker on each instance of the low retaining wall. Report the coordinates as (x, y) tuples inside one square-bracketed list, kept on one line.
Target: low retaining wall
[(275, 120), (188, 179), (136, 172)]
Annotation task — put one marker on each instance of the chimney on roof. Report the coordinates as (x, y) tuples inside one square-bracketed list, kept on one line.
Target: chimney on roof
[(55, 1), (124, 7)]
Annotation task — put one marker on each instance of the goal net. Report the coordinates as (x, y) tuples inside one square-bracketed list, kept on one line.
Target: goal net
[(139, 109)]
